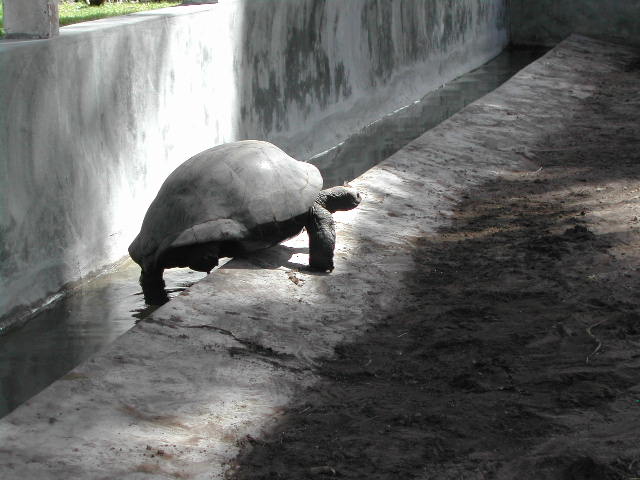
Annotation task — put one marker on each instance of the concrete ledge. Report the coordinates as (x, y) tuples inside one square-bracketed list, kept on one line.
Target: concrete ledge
[(37, 19), (177, 395)]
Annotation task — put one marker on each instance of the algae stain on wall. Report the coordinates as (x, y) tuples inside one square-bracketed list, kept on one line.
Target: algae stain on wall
[(308, 60), (286, 65)]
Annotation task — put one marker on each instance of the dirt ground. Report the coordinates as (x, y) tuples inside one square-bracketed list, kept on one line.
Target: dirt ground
[(515, 353)]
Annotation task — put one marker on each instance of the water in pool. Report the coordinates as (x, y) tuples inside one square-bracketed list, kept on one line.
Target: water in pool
[(85, 320), (381, 139)]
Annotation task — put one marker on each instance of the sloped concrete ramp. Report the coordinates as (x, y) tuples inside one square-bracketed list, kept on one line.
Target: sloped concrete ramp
[(180, 394)]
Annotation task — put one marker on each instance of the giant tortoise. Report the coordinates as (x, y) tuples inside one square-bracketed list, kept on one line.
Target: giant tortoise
[(233, 199)]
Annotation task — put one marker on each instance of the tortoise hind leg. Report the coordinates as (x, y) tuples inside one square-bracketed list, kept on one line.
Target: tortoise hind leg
[(151, 278), (153, 286), (322, 238)]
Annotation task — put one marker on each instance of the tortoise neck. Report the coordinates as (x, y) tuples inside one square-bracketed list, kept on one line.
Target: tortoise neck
[(338, 198), (325, 198)]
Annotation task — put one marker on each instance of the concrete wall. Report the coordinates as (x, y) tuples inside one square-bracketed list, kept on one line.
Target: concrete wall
[(546, 22), (33, 19), (92, 121)]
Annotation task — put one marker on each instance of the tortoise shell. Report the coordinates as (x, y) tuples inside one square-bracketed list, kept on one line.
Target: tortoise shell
[(225, 194)]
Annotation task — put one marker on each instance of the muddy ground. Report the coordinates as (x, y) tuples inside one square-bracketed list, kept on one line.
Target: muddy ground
[(515, 353)]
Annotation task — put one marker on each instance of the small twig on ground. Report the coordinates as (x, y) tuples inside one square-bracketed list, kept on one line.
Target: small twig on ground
[(595, 339), (324, 469), (533, 173)]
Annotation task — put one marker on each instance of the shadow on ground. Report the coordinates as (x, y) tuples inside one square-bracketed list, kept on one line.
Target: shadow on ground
[(515, 349)]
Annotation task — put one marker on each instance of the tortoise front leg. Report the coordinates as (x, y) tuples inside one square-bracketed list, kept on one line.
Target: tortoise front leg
[(322, 238)]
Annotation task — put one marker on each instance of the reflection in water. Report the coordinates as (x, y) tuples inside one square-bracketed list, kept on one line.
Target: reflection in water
[(73, 328), (383, 138)]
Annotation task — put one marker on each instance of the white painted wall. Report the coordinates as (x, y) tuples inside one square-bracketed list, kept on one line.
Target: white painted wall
[(91, 122)]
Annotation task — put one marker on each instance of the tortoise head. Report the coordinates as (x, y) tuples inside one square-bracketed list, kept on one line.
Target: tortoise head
[(339, 198)]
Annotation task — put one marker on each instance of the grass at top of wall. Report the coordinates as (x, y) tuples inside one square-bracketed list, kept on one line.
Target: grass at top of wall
[(76, 12)]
